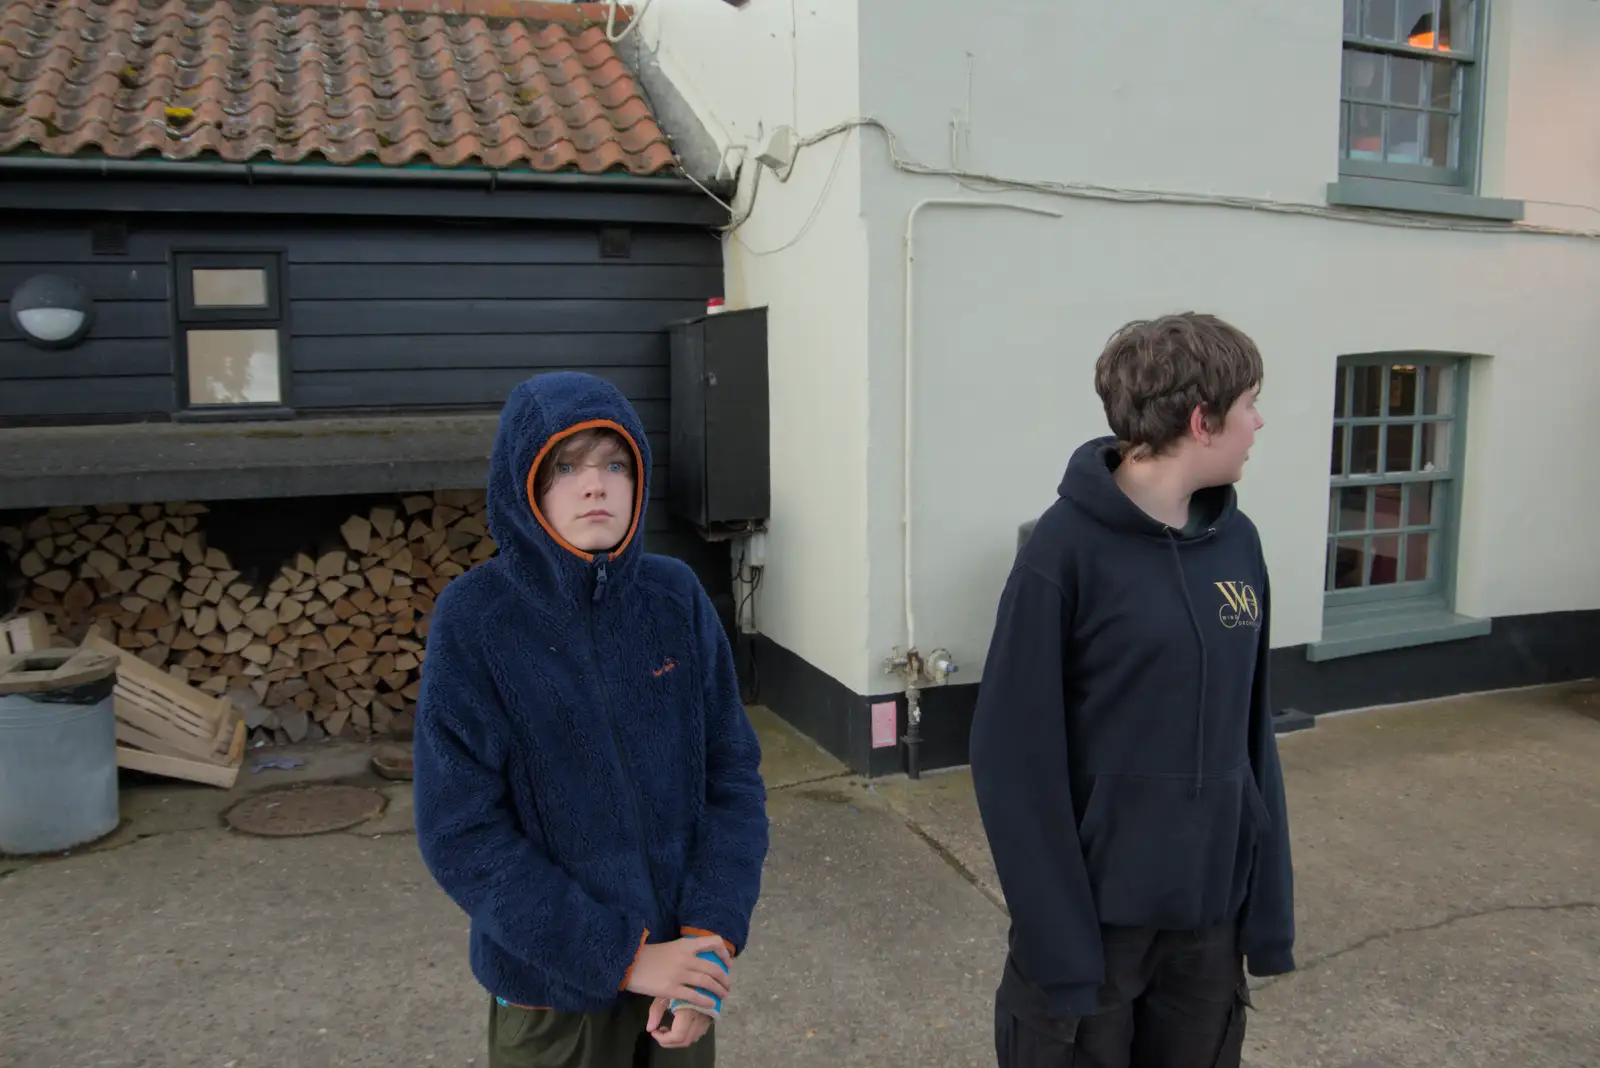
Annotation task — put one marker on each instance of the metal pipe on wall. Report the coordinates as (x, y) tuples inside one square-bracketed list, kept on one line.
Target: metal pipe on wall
[(939, 665), (909, 362)]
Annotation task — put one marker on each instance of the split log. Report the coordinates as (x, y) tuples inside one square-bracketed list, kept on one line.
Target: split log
[(357, 531)]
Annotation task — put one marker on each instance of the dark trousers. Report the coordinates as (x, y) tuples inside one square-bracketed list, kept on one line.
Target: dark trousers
[(614, 1038), (1171, 999)]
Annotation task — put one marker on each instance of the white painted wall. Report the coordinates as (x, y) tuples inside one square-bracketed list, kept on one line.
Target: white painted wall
[(1543, 141), (1236, 98), (803, 254), (1239, 98)]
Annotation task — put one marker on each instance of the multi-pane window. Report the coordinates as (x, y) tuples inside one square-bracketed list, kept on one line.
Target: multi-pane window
[(1409, 99), (1395, 472), (230, 318)]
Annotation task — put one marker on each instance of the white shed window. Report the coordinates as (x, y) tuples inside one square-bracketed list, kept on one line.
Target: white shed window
[(233, 346)]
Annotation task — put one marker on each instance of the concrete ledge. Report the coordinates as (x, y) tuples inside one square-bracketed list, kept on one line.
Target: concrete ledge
[(44, 467)]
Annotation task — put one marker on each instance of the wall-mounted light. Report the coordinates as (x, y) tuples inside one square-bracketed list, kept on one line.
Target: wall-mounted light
[(51, 311)]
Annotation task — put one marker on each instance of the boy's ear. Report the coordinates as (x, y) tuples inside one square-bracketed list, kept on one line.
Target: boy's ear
[(1203, 425)]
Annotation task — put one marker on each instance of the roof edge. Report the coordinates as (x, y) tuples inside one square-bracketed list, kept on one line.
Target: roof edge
[(615, 181), (572, 14)]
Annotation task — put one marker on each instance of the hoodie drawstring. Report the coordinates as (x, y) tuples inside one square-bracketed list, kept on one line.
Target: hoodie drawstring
[(1199, 636)]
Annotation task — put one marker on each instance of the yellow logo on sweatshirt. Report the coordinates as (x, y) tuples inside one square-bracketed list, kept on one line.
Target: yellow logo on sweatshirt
[(1240, 605)]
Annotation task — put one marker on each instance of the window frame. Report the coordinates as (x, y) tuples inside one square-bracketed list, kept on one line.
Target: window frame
[(189, 316), (1465, 176), (1438, 591)]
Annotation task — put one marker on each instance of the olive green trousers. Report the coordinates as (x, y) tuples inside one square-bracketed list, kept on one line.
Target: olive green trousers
[(613, 1038)]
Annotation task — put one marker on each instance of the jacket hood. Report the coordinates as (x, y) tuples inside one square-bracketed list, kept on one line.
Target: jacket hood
[(540, 413), (1088, 484)]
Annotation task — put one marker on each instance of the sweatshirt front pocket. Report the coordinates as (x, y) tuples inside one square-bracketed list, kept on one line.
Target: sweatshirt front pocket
[(1258, 804), (1159, 853)]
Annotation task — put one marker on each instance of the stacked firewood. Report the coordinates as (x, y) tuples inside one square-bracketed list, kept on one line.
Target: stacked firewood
[(330, 644)]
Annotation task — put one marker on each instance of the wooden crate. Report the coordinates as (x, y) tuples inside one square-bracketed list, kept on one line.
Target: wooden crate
[(24, 633), (167, 727), (43, 670)]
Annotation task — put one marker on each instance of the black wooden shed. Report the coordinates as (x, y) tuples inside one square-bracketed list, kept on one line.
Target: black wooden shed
[(317, 244)]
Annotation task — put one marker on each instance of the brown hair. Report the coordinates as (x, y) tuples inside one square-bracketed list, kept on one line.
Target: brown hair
[(1154, 372), (575, 449)]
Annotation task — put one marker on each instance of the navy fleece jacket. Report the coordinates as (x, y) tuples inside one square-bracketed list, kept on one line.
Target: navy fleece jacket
[(1122, 747), (586, 777)]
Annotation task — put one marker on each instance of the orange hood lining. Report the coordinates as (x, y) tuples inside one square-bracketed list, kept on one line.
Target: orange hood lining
[(638, 484)]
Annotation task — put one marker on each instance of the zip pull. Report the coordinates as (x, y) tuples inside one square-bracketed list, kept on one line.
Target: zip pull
[(600, 581)]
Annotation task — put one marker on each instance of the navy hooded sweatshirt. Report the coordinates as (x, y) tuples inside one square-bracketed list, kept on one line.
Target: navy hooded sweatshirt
[(1122, 747), (586, 777)]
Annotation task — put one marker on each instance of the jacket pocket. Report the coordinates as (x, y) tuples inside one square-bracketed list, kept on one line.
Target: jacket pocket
[(522, 1037), (1160, 854), (1231, 1055), (1257, 803), (509, 1024)]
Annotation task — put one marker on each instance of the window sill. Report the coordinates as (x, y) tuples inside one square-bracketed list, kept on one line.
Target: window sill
[(1356, 630), (1351, 192), (233, 413)]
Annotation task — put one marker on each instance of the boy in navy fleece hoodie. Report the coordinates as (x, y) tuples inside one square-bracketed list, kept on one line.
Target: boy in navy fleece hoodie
[(1122, 748), (587, 783)]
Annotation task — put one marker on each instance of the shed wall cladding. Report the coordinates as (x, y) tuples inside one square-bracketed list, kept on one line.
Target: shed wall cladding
[(400, 315)]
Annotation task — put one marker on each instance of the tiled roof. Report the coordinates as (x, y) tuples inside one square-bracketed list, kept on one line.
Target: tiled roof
[(452, 83)]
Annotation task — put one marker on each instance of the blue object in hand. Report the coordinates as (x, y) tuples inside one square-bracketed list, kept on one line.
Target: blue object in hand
[(715, 1009)]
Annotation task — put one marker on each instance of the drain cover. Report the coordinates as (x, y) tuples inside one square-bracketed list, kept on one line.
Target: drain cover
[(302, 810)]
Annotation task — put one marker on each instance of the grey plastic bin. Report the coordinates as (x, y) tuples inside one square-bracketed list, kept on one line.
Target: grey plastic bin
[(58, 750)]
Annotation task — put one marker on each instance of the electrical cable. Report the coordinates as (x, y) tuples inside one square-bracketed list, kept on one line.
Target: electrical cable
[(1093, 191), (633, 22), (751, 576)]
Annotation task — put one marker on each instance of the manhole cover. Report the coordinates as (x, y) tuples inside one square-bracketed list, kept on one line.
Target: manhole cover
[(302, 810)]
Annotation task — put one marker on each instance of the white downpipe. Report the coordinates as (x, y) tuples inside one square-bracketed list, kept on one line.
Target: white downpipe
[(905, 491)]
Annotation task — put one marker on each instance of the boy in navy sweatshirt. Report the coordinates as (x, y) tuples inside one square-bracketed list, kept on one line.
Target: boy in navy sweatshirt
[(1122, 747), (587, 783)]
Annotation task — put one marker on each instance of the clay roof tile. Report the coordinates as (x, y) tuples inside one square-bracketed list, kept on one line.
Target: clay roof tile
[(452, 83)]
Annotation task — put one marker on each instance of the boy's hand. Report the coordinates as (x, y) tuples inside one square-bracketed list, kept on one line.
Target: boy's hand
[(674, 969), (688, 1026)]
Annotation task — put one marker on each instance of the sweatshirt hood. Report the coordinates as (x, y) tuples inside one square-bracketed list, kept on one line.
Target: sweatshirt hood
[(540, 413), (1089, 484)]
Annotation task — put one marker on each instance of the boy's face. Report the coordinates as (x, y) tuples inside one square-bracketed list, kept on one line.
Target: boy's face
[(590, 501), (1227, 450)]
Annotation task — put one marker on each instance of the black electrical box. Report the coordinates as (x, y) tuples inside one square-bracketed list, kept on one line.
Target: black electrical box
[(720, 459)]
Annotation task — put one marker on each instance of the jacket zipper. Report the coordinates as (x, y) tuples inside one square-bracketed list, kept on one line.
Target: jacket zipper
[(616, 738)]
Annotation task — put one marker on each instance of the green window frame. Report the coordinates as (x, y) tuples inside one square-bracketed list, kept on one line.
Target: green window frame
[(1411, 91), (1399, 439)]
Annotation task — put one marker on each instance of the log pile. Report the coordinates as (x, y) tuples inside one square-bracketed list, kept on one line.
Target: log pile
[(331, 643)]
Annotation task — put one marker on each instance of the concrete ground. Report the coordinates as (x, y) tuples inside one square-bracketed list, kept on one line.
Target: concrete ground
[(1448, 872)]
